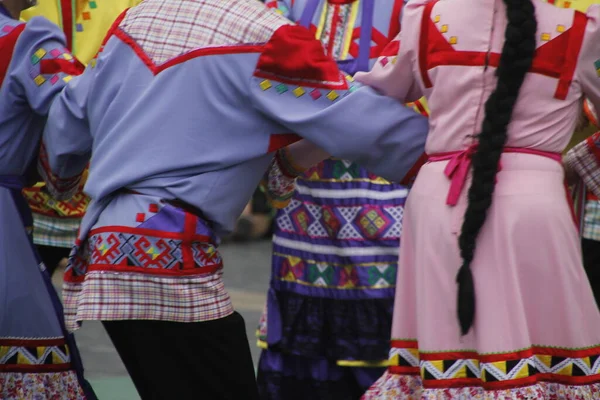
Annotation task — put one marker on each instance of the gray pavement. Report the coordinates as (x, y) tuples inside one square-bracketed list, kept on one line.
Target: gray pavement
[(247, 270)]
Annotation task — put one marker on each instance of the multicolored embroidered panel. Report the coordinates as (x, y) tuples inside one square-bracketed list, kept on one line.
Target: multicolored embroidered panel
[(327, 275), (36, 355), (118, 248), (42, 203), (360, 222), (496, 371)]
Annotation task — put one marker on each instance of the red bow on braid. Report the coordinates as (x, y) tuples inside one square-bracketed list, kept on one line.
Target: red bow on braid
[(56, 65)]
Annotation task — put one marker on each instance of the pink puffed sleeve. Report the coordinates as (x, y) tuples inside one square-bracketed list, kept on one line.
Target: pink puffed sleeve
[(394, 72)]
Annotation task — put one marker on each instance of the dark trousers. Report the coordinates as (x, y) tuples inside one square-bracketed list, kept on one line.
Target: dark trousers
[(51, 256), (591, 262), (170, 360)]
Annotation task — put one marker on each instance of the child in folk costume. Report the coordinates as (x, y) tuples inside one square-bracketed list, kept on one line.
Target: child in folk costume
[(85, 23), (326, 327), (500, 238), (38, 359), (182, 112)]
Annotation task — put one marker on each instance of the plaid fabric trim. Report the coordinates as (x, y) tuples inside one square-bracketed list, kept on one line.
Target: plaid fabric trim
[(591, 220), (55, 232), (167, 29), (109, 296), (584, 161)]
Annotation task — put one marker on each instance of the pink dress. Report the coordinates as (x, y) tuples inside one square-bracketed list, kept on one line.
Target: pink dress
[(537, 328)]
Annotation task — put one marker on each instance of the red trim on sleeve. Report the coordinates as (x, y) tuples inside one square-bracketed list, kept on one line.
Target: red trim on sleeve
[(7, 46), (576, 34), (294, 56)]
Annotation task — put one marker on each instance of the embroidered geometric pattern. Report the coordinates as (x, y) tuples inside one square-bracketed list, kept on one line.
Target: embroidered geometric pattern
[(341, 170), (373, 221), (149, 252), (405, 357), (496, 371), (44, 355), (293, 269), (34, 355), (41, 203), (165, 30), (315, 94), (381, 222), (392, 387)]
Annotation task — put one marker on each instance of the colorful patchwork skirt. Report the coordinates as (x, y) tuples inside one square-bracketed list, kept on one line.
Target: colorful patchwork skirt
[(38, 359), (537, 327), (332, 286)]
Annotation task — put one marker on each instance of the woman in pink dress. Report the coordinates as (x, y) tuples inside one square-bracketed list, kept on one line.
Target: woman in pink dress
[(488, 221)]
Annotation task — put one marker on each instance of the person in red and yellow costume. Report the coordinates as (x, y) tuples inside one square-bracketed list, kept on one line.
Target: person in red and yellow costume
[(85, 24)]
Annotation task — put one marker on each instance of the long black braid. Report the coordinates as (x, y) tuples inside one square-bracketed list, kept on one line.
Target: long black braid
[(515, 61)]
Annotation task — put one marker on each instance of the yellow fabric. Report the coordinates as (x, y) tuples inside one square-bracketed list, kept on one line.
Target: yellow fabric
[(96, 17), (579, 5), (95, 21)]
